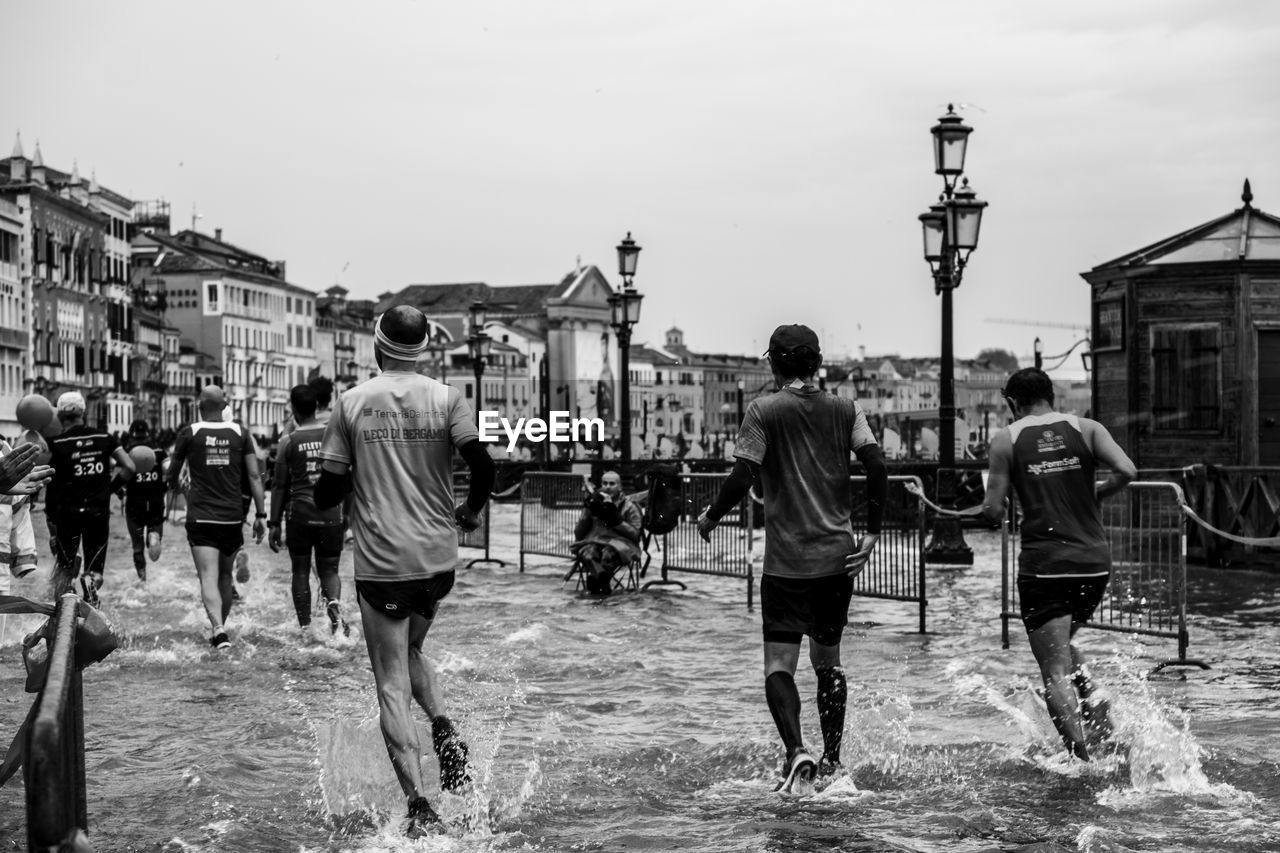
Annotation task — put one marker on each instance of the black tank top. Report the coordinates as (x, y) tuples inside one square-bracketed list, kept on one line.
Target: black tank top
[(1053, 475)]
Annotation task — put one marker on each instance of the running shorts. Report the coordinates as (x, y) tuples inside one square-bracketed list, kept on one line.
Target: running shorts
[(1044, 599), (793, 607), (227, 538), (324, 539), (398, 599)]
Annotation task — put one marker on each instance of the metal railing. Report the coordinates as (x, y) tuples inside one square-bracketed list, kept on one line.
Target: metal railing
[(53, 770), (478, 538), (550, 505), (728, 554), (896, 569), (1147, 593)]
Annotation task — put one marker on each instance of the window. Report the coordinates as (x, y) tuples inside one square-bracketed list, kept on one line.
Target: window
[(1186, 377)]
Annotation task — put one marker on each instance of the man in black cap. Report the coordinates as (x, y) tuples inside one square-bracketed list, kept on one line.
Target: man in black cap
[(219, 454), (798, 444), (144, 506)]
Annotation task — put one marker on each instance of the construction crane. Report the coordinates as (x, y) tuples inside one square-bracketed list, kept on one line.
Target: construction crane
[(1075, 327)]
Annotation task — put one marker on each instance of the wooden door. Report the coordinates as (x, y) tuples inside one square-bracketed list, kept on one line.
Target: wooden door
[(1269, 397)]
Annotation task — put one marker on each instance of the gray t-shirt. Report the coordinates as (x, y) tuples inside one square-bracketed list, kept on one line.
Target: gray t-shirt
[(802, 439), (398, 431)]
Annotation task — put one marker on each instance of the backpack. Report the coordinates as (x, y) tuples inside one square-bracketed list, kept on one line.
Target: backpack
[(662, 505)]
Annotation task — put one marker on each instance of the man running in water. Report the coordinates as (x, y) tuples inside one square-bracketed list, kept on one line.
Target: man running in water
[(219, 457), (309, 529), (81, 457), (1065, 562), (391, 440), (798, 444), (144, 507)]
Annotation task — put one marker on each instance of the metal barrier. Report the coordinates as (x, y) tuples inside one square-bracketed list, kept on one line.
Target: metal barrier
[(550, 504), (728, 554), (478, 538), (1147, 594), (896, 568), (53, 769)]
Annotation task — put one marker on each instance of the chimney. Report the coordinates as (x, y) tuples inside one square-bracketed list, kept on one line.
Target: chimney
[(217, 234)]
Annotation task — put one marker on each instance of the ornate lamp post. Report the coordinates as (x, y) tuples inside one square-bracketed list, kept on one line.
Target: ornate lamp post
[(1039, 350), (742, 387), (478, 345), (624, 308), (950, 236)]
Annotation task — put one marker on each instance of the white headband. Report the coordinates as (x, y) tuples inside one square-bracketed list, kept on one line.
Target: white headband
[(405, 352)]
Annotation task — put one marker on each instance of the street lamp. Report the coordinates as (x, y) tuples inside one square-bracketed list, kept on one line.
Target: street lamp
[(950, 230), (478, 345), (1039, 350), (860, 381), (624, 310), (742, 387)]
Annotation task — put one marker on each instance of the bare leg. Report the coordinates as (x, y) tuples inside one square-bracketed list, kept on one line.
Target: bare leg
[(388, 642), (422, 675), (1094, 710), (1051, 645), (207, 560)]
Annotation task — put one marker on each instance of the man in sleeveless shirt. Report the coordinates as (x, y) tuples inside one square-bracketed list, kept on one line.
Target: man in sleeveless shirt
[(1050, 460), (798, 443), (391, 441), (144, 506), (309, 529), (219, 455), (81, 457)]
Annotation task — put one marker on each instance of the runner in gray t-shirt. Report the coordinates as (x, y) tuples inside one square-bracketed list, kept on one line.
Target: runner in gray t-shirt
[(390, 443), (797, 443)]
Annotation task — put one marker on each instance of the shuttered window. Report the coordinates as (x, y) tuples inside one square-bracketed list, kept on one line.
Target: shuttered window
[(1186, 377)]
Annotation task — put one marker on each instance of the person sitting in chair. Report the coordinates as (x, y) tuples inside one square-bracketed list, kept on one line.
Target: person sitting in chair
[(607, 534)]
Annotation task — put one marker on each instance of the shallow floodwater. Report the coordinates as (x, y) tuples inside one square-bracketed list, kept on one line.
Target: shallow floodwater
[(639, 723)]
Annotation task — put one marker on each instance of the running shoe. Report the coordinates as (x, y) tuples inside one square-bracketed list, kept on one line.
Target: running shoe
[(153, 547), (829, 766), (220, 640), (801, 770), (235, 593), (90, 587), (421, 819), (142, 573), (242, 566), (334, 610), (451, 753)]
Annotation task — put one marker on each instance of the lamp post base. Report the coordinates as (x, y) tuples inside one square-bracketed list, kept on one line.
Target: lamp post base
[(947, 546)]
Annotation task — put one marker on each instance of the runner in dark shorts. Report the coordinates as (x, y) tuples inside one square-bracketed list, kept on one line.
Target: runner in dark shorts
[(219, 457), (309, 530), (1049, 459), (390, 444), (80, 517), (144, 502), (797, 444)]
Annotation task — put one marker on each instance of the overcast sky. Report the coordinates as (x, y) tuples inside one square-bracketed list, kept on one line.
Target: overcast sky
[(770, 158)]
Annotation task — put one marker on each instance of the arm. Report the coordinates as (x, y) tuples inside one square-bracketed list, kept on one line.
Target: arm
[(259, 499), (999, 476), (628, 526), (125, 469), (334, 484), (877, 485), (177, 459), (1106, 450), (482, 469), (280, 484)]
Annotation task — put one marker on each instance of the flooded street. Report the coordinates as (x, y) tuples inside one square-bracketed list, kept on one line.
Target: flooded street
[(639, 722)]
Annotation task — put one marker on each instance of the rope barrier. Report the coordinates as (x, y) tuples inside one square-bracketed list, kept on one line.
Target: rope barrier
[(1269, 541), (963, 513)]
